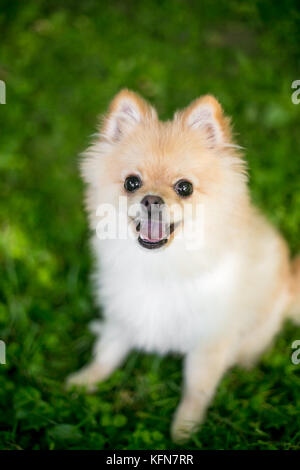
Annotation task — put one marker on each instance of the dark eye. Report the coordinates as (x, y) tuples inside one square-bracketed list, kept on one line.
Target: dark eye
[(183, 188), (132, 183)]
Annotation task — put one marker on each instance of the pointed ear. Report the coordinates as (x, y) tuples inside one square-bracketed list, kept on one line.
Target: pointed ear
[(126, 111), (205, 115)]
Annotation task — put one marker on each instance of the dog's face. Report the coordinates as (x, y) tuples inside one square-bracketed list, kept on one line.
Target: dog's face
[(165, 171)]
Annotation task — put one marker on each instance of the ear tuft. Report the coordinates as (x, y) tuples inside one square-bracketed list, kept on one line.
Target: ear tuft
[(126, 111), (205, 115)]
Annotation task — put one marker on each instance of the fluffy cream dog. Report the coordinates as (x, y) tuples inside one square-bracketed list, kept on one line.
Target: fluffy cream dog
[(219, 302)]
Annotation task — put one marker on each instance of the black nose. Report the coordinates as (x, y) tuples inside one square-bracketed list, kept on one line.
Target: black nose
[(149, 201)]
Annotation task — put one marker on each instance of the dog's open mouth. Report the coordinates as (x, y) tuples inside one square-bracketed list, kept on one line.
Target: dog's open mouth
[(154, 233)]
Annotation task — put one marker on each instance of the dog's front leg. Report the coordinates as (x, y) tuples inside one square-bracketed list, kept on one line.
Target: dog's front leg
[(203, 370), (109, 351)]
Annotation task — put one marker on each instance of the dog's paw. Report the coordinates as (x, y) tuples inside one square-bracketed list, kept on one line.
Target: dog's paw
[(88, 377), (187, 420), (181, 430)]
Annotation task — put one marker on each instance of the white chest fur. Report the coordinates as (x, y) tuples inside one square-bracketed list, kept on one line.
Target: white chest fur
[(161, 310)]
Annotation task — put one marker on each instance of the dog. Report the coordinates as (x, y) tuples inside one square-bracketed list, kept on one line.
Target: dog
[(218, 297)]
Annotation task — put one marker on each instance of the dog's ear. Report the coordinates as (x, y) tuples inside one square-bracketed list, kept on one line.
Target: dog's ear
[(126, 111), (205, 115)]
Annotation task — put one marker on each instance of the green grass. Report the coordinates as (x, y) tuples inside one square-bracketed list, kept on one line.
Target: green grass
[(62, 63)]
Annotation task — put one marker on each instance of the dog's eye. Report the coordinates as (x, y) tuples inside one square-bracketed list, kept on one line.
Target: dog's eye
[(183, 188), (132, 183)]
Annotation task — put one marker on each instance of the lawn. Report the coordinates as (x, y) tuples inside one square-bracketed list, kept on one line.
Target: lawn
[(62, 62)]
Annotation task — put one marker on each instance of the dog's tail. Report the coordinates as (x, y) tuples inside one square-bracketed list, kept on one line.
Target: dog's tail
[(294, 311)]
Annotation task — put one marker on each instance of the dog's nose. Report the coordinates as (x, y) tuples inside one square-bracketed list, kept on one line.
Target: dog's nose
[(150, 200)]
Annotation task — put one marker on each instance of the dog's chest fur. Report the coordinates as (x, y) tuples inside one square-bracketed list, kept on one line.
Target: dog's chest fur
[(161, 310)]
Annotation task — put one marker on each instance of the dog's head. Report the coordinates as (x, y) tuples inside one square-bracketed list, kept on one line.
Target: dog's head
[(164, 171)]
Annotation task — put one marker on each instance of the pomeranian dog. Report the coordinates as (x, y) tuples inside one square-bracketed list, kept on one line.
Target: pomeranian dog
[(214, 284)]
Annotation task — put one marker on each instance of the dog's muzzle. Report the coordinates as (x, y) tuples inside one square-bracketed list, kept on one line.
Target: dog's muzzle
[(154, 230)]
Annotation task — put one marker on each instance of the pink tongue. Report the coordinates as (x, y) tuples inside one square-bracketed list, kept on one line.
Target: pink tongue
[(152, 230)]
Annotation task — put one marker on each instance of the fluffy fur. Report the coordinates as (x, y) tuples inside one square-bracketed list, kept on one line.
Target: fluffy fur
[(219, 304)]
